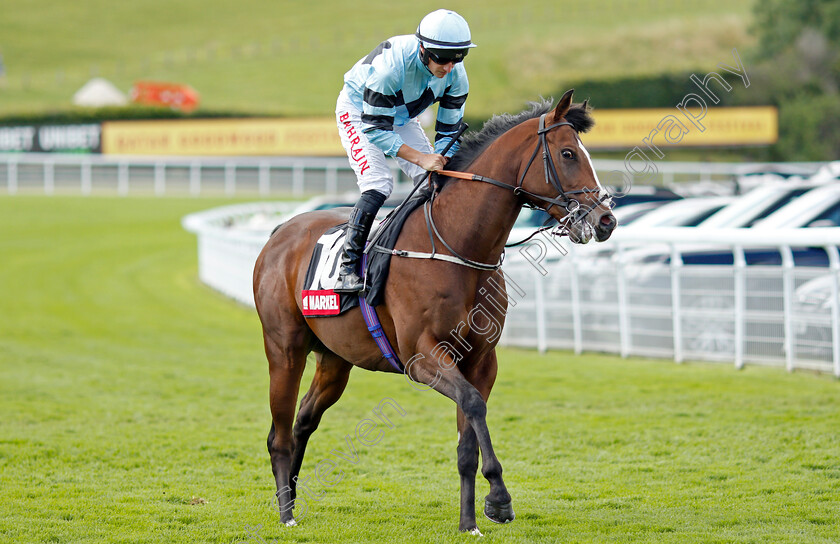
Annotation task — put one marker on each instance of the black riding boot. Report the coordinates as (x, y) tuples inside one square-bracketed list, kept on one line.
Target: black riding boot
[(358, 229)]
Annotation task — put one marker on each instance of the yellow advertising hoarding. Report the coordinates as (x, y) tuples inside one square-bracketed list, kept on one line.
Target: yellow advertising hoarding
[(222, 137), (696, 127), (614, 129)]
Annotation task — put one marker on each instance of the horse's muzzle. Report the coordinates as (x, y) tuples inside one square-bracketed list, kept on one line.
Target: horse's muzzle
[(585, 227), (605, 226)]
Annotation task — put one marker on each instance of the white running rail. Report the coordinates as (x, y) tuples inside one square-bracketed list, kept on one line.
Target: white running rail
[(734, 313), (67, 173)]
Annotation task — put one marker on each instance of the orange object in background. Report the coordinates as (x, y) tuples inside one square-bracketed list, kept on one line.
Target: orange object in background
[(174, 95)]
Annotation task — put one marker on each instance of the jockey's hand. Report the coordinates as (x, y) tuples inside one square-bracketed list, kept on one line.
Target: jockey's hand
[(432, 162)]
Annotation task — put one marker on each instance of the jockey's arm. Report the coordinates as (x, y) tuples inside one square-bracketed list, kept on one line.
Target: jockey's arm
[(428, 161)]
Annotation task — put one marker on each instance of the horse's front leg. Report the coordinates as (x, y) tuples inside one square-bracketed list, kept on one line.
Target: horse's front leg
[(482, 376), (440, 373), (498, 506), (467, 468)]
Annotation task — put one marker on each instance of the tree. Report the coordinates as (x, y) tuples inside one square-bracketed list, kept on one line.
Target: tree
[(798, 63)]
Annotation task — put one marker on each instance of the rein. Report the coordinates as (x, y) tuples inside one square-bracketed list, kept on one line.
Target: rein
[(572, 206)]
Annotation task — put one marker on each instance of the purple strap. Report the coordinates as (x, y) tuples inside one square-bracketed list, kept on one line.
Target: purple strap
[(375, 327)]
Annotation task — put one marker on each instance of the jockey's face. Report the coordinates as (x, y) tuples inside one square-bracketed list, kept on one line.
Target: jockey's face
[(439, 67), (440, 70)]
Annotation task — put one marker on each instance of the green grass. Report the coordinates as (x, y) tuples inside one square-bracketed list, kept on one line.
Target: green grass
[(289, 57), (129, 391)]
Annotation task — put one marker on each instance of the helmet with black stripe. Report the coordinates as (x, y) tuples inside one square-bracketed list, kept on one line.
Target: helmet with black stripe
[(445, 37)]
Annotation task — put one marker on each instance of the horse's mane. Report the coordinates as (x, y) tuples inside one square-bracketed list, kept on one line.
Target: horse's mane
[(473, 144)]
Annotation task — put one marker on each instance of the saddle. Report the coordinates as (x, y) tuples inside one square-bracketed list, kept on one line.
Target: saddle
[(319, 299)]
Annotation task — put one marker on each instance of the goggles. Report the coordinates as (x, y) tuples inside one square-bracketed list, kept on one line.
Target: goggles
[(445, 56)]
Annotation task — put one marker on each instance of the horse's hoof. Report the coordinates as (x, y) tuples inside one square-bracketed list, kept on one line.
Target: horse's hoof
[(291, 523), (499, 512), (474, 531)]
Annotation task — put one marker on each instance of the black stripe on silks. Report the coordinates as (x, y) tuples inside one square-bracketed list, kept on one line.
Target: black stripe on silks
[(379, 48), (416, 107), (439, 137), (446, 127), (453, 102), (379, 100), (378, 122)]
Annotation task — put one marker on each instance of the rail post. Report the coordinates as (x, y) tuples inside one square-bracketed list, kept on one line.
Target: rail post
[(676, 303), (740, 262)]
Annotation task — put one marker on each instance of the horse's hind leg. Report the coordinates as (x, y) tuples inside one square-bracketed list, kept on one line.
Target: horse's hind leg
[(331, 374), (286, 355)]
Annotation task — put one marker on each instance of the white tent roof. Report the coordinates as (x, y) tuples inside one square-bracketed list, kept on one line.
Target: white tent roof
[(99, 92)]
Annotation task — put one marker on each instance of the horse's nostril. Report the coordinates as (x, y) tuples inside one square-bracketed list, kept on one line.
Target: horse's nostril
[(608, 221)]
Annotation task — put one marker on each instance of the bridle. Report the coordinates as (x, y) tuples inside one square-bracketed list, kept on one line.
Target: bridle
[(571, 205), (574, 211)]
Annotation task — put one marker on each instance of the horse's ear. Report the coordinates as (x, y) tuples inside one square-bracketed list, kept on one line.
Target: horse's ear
[(563, 106)]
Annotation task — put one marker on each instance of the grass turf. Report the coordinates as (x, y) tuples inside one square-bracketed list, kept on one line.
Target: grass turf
[(134, 409), (289, 57)]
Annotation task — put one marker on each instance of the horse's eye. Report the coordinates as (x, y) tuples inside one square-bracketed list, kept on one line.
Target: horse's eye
[(568, 154)]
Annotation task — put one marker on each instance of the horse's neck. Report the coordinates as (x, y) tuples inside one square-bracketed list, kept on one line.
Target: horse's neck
[(476, 217)]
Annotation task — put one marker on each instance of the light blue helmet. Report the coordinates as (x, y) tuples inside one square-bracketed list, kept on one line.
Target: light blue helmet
[(444, 29)]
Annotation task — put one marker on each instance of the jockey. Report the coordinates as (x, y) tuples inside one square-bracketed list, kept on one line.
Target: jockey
[(377, 113)]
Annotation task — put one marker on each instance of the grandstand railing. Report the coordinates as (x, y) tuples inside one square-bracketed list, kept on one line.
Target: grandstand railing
[(566, 299), (54, 173)]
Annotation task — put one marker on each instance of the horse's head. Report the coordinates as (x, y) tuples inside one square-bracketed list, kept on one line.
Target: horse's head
[(565, 184)]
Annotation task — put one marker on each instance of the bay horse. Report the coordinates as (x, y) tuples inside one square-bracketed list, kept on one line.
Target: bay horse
[(426, 301)]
